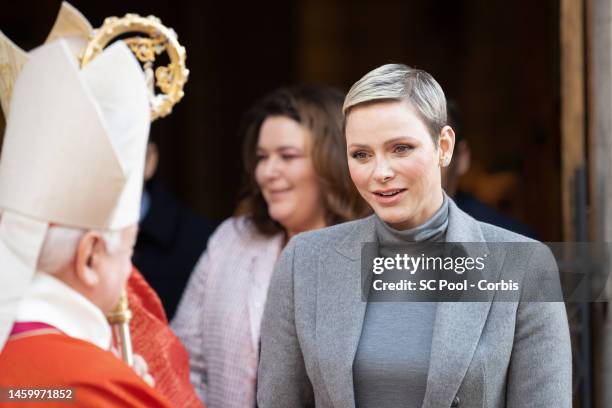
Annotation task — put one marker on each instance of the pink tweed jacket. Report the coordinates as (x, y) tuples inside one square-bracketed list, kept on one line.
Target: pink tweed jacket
[(219, 316)]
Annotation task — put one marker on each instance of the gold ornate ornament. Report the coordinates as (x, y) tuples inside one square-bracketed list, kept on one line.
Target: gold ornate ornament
[(12, 58), (170, 79)]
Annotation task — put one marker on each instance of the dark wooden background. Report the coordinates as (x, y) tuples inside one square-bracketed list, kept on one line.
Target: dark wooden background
[(498, 59)]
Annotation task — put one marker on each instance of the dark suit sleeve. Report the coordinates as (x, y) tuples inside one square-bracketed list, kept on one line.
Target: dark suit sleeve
[(282, 379), (540, 372)]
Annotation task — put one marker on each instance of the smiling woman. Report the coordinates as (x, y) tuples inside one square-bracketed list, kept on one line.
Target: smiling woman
[(296, 180), (395, 163), (294, 143), (286, 176), (323, 346)]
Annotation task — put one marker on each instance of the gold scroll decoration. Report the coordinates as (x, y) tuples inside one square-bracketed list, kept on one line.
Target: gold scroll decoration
[(170, 79)]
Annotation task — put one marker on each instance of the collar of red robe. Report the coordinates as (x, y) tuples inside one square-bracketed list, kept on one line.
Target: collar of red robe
[(25, 329)]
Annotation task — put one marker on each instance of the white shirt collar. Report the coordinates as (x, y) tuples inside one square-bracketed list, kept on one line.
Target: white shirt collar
[(49, 300)]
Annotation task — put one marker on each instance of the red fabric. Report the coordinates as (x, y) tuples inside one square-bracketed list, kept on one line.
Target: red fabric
[(153, 339), (58, 361)]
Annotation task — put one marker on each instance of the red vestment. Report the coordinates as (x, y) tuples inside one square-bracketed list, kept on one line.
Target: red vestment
[(153, 339), (57, 361)]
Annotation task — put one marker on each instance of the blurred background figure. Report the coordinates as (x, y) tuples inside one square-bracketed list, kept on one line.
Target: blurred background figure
[(296, 180), (171, 237), (459, 166)]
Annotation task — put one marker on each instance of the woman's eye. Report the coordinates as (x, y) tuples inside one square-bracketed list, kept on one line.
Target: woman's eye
[(359, 155), (260, 157), (402, 149), (288, 157)]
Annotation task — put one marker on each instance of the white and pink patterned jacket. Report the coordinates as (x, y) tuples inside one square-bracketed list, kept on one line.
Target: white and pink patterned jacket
[(219, 316)]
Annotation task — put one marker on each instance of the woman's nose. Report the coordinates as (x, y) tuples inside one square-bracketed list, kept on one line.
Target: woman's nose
[(383, 171), (272, 167)]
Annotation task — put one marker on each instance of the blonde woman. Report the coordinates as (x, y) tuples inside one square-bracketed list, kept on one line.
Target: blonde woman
[(323, 346)]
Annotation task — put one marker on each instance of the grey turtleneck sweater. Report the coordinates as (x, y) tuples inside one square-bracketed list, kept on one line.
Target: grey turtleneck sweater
[(392, 359)]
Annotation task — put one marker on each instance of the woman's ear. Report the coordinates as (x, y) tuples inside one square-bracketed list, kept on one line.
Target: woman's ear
[(446, 144), (87, 251)]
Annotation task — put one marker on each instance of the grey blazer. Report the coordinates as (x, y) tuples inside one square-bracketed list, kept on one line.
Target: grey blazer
[(483, 354)]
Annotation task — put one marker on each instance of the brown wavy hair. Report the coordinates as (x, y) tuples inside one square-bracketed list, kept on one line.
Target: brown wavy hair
[(319, 109)]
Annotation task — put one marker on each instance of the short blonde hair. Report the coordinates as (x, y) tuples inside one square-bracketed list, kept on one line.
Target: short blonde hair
[(399, 82)]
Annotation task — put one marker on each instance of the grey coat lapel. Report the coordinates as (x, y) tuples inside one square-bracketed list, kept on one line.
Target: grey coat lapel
[(458, 325), (339, 319)]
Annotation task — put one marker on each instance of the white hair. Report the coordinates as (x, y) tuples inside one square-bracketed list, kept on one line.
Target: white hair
[(60, 246), (402, 83)]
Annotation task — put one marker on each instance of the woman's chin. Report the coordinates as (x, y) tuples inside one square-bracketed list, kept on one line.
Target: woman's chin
[(392, 214), (281, 216), (396, 219)]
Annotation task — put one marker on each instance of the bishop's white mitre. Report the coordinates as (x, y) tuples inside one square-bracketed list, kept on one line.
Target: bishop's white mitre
[(73, 151)]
